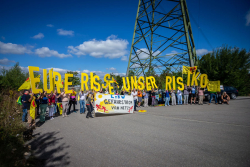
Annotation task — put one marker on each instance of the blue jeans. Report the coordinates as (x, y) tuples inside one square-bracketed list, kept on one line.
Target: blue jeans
[(25, 111), (179, 99), (82, 106), (167, 101), (211, 96), (55, 108), (135, 102)]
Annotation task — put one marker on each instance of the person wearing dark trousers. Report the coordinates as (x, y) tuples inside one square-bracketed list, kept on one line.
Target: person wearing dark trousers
[(89, 106), (213, 94), (72, 100)]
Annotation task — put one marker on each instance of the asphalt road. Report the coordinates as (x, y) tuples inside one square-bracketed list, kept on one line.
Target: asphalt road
[(186, 135)]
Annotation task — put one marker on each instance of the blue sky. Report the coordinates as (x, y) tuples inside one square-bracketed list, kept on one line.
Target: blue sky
[(96, 35)]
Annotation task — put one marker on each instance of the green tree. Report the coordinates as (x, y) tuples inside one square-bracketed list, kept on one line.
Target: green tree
[(75, 79), (13, 78), (230, 66)]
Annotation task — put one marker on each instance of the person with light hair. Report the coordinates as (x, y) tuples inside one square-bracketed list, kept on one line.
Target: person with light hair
[(225, 98)]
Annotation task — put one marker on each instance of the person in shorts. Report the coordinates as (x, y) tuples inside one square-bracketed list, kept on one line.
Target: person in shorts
[(193, 94)]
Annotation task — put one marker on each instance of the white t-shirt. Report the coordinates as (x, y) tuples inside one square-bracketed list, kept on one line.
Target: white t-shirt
[(107, 92), (134, 94)]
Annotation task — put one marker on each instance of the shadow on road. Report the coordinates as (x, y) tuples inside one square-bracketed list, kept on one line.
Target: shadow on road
[(107, 115), (48, 152)]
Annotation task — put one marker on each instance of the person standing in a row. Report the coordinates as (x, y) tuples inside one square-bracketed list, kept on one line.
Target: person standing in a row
[(72, 100), (186, 94), (89, 106), (82, 97), (167, 98), (173, 98), (145, 95), (65, 103), (134, 94), (51, 105), (43, 105)]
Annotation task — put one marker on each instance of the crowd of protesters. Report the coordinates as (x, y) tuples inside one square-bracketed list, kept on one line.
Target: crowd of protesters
[(46, 103)]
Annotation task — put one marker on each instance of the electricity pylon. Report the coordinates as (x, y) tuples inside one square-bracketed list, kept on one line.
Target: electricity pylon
[(162, 38)]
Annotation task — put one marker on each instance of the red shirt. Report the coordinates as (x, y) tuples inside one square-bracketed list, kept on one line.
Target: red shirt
[(52, 99)]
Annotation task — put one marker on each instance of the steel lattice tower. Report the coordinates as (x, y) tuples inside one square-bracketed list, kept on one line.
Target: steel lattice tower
[(162, 38)]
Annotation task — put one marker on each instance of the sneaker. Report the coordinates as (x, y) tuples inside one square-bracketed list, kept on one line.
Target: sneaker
[(53, 118), (63, 116)]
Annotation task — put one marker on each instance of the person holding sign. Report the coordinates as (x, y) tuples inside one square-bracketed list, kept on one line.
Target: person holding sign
[(65, 103), (213, 94), (167, 98), (43, 105), (186, 94), (51, 105), (89, 106), (201, 94), (193, 94), (72, 100), (153, 97), (173, 98), (82, 98), (134, 94), (145, 95), (139, 98)]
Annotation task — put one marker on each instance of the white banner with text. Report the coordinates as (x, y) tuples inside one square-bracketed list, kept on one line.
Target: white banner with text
[(113, 104)]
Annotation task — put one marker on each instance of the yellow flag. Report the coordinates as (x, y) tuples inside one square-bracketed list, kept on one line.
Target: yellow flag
[(213, 86), (33, 108), (59, 105), (185, 69), (61, 84), (25, 85)]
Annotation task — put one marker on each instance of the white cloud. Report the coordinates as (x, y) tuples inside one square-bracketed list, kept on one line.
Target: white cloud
[(3, 37), (65, 32), (248, 18), (124, 58), (46, 52), (143, 53), (6, 61), (111, 69), (110, 48), (9, 48), (38, 36), (200, 52), (50, 25)]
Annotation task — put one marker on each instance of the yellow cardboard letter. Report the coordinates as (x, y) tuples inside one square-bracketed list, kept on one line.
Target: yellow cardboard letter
[(141, 83), (203, 80), (105, 80), (51, 81), (34, 80), (67, 83), (58, 82), (194, 79), (168, 82), (180, 82), (133, 82), (124, 83), (84, 83)]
